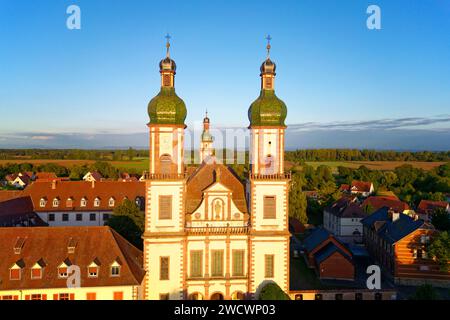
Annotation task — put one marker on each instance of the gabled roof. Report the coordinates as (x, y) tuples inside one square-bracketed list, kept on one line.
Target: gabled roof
[(392, 231), (345, 207), (205, 176), (19, 211), (77, 190), (315, 238), (327, 251), (428, 206), (50, 245), (361, 186), (378, 202)]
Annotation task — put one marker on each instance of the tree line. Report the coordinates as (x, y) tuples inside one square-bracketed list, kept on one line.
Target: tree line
[(72, 154), (300, 155)]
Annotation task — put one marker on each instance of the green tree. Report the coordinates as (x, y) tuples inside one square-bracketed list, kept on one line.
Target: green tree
[(439, 249), (425, 292), (272, 291), (441, 219), (128, 221), (297, 199), (131, 153)]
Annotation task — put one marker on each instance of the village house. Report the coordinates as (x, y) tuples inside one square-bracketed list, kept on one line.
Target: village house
[(36, 264), (361, 188), (374, 203), (92, 176), (81, 203), (17, 212), (330, 258), (427, 207), (398, 243), (343, 219)]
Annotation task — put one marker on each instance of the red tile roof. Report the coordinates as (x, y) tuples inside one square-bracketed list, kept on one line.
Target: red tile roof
[(19, 211), (345, 207), (10, 194), (361, 186), (204, 177), (77, 190), (378, 202), (49, 245), (428, 206), (45, 176)]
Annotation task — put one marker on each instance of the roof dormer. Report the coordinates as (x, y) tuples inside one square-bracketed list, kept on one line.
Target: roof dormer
[(55, 202)]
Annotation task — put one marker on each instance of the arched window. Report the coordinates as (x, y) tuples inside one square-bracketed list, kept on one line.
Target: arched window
[(55, 202), (196, 296), (111, 202), (269, 165), (83, 202), (165, 162), (97, 202), (42, 202)]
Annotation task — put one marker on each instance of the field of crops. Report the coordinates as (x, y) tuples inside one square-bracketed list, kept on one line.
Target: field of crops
[(141, 164)]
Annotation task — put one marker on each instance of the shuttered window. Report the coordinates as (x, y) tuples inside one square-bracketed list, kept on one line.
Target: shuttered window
[(238, 262), (270, 207), (268, 265), (217, 263), (196, 263), (165, 207), (164, 268)]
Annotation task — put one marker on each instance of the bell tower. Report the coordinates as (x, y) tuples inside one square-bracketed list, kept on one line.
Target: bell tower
[(164, 239), (206, 143), (268, 184)]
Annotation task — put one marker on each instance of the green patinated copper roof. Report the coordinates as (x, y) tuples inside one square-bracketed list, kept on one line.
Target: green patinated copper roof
[(167, 108), (207, 137), (267, 110)]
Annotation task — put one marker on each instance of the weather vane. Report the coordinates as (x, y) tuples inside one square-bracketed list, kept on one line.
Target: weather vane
[(168, 37), (268, 38)]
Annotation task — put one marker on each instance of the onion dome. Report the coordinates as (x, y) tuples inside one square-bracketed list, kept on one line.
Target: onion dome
[(167, 107), (167, 64), (267, 109), (268, 66)]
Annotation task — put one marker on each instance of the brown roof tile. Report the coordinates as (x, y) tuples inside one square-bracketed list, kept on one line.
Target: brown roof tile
[(49, 245), (204, 176), (76, 190)]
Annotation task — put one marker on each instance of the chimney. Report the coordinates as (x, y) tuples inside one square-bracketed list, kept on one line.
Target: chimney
[(93, 184), (53, 184), (392, 215)]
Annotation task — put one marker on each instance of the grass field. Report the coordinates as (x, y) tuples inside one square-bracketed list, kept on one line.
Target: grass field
[(141, 164)]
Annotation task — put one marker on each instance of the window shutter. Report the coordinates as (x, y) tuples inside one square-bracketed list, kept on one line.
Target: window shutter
[(55, 296), (72, 296), (269, 261), (270, 206), (44, 297), (196, 263), (165, 207), (238, 262), (16, 297), (164, 268), (217, 263), (27, 297)]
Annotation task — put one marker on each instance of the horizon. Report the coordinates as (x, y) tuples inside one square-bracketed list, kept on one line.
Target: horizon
[(345, 86)]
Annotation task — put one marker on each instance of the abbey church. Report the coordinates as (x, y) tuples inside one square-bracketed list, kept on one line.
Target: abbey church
[(208, 235)]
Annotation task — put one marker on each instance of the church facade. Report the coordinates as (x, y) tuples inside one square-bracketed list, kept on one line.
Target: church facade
[(207, 234)]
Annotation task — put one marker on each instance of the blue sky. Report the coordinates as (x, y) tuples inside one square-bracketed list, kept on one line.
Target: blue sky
[(333, 73)]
